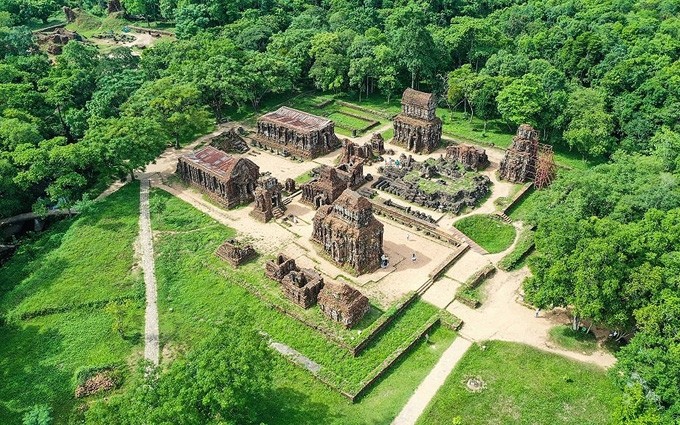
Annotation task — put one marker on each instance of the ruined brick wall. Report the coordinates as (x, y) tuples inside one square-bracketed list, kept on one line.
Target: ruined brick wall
[(343, 304), (472, 157)]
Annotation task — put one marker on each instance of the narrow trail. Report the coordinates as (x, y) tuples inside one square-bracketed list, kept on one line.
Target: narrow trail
[(433, 381), (151, 332)]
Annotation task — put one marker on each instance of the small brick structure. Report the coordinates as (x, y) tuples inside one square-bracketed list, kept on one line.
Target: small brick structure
[(343, 304), (377, 144), (230, 141), (519, 163), (299, 285), (472, 157), (267, 199), (234, 252), (351, 151)]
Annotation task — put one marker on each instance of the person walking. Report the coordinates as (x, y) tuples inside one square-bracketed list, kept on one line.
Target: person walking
[(413, 257)]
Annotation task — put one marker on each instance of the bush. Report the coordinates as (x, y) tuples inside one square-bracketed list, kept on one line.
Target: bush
[(524, 246), (40, 414)]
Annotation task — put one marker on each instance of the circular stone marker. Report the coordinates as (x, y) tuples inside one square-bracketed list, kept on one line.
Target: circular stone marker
[(475, 384)]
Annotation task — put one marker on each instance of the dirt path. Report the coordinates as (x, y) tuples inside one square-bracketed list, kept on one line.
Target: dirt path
[(148, 266), (433, 381), (501, 317)]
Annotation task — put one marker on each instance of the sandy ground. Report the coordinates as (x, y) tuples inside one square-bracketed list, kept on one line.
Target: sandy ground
[(433, 381)]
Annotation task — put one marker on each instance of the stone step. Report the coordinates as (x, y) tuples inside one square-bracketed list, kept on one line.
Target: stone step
[(504, 217), (278, 212)]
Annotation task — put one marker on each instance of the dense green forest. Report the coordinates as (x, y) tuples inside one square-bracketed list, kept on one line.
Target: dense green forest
[(600, 78)]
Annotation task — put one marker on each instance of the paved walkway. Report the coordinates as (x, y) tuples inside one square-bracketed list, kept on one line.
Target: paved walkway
[(297, 357), (151, 351), (432, 382)]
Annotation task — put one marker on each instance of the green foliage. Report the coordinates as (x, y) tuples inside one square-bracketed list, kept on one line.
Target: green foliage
[(40, 414), (525, 243), (523, 386), (224, 378), (489, 231)]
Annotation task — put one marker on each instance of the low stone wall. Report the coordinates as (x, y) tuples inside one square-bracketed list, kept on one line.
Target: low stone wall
[(473, 282), (422, 225), (367, 110), (380, 370)]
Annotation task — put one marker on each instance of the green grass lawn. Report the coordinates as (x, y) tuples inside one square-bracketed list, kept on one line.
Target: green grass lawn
[(525, 207), (489, 231), (456, 123), (86, 259), (79, 260), (388, 134), (568, 339), (197, 289), (523, 386)]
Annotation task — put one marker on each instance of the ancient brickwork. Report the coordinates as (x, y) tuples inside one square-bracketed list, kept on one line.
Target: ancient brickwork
[(55, 41), (292, 132), (416, 181), (417, 128), (330, 182), (230, 141), (377, 144), (368, 151), (472, 157), (226, 179), (343, 304), (519, 163), (348, 232), (267, 199), (300, 285), (235, 252)]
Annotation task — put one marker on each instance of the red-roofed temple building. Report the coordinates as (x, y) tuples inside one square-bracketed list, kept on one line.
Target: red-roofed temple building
[(227, 179), (292, 132)]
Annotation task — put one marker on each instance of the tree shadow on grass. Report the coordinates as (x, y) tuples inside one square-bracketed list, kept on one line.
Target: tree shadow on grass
[(41, 278), (289, 406), (27, 373)]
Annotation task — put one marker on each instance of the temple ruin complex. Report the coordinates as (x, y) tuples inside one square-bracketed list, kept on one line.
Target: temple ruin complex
[(299, 285), (348, 232), (417, 128), (441, 184), (288, 131), (343, 304), (227, 179)]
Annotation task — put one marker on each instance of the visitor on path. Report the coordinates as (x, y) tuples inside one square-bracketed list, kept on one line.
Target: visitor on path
[(413, 257), (408, 236), (538, 310)]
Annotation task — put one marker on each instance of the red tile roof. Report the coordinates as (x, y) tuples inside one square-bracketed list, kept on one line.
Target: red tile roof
[(299, 120)]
